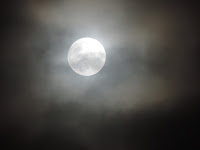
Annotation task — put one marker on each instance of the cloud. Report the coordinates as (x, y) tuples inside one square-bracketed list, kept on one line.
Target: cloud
[(149, 81)]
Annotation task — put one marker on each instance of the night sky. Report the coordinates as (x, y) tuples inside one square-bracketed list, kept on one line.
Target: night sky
[(146, 97)]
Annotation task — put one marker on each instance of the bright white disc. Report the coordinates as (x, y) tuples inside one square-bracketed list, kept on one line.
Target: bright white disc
[(86, 56)]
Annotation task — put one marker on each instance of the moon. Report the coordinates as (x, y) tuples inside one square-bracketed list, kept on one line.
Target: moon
[(86, 56)]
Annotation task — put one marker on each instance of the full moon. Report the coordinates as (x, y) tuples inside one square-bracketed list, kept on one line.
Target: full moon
[(86, 56)]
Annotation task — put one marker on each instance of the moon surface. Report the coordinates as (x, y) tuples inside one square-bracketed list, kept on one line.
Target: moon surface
[(86, 56)]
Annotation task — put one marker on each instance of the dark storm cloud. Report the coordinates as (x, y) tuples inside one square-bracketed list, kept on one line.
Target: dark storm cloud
[(149, 81)]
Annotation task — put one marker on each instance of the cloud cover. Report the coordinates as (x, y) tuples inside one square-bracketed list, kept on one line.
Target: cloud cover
[(151, 73)]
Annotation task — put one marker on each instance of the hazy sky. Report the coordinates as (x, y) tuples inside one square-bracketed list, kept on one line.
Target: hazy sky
[(144, 97)]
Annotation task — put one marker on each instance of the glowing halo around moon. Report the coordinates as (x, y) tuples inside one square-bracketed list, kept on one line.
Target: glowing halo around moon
[(86, 56)]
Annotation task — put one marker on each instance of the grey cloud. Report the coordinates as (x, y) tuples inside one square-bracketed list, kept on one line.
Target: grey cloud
[(147, 88)]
